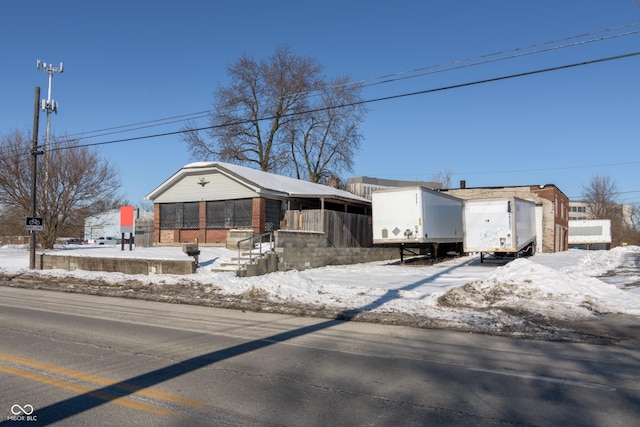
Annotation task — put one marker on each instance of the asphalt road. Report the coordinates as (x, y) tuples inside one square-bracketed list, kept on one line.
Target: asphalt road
[(72, 359)]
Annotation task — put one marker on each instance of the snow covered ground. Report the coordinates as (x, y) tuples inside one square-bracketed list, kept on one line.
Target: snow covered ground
[(561, 286)]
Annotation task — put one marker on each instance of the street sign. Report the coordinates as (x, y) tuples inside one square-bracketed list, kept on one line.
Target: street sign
[(34, 224)]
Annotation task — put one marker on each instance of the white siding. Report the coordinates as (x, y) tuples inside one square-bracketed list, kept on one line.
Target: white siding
[(219, 187)]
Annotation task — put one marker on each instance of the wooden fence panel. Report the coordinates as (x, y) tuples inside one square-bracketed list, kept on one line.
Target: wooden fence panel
[(144, 233), (343, 230)]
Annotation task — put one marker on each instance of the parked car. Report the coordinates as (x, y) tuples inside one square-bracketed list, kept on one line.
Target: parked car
[(106, 241), (73, 242)]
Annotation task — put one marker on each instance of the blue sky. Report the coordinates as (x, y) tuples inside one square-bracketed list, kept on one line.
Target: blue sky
[(132, 62)]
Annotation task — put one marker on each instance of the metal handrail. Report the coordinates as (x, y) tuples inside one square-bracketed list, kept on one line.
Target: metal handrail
[(252, 239)]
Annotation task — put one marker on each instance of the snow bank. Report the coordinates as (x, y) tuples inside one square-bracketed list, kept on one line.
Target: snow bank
[(559, 285), (565, 289)]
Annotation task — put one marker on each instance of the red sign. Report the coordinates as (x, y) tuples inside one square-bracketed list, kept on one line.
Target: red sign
[(126, 219)]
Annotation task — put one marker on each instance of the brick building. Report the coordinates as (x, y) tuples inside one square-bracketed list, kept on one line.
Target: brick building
[(207, 199)]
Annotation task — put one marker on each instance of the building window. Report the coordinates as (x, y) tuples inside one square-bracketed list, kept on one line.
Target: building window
[(272, 215), (225, 214), (180, 216)]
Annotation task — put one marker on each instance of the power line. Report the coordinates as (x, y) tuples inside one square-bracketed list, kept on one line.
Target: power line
[(146, 124), (380, 99), (385, 98), (482, 57), (391, 78)]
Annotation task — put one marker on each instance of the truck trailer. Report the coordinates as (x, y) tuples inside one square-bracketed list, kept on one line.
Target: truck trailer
[(500, 226), (594, 234), (417, 220)]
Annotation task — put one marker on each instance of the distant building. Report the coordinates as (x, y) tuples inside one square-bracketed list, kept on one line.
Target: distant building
[(363, 186), (579, 210), (108, 224), (104, 225)]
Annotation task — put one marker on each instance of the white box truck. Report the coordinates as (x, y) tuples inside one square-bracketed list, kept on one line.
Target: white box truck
[(499, 226), (417, 217)]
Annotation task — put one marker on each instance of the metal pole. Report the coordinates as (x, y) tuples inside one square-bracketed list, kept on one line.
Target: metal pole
[(34, 164)]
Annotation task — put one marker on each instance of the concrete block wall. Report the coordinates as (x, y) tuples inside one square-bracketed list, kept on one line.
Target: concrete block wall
[(299, 250)]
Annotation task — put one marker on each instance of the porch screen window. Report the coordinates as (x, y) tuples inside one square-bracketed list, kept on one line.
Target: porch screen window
[(182, 216), (224, 214)]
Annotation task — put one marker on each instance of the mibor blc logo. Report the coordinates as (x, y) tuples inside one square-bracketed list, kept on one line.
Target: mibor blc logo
[(19, 410), (22, 413)]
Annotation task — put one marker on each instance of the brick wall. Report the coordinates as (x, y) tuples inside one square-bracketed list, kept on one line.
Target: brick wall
[(258, 216), (557, 217), (204, 235)]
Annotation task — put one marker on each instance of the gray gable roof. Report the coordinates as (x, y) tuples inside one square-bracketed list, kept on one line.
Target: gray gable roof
[(263, 182)]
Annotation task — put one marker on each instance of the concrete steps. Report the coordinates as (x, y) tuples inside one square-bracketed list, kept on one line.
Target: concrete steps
[(235, 264)]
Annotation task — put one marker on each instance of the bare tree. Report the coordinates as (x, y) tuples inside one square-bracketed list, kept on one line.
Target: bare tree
[(325, 140), (444, 177), (73, 183), (271, 109), (600, 197)]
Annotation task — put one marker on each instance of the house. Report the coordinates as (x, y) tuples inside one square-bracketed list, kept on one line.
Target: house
[(552, 210), (206, 200)]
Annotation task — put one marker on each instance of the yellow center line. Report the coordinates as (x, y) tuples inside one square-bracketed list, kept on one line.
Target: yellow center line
[(119, 400), (103, 381)]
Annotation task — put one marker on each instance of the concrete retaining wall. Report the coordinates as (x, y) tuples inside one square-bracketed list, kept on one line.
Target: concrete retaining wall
[(300, 250), (297, 250), (120, 265)]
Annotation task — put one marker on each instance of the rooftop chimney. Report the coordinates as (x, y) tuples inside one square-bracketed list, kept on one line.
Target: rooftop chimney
[(463, 183)]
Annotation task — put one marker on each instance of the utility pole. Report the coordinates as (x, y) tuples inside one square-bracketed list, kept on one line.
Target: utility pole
[(34, 164)]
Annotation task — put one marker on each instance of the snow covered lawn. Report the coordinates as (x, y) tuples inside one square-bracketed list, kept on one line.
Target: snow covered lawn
[(558, 286)]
